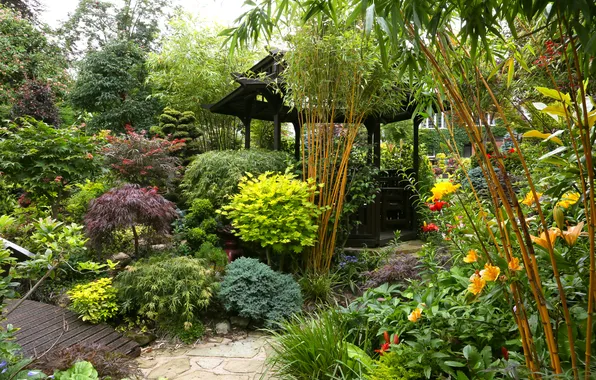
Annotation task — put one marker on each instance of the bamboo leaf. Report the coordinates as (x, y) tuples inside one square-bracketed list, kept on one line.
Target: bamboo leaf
[(554, 152), (368, 21), (510, 71), (546, 136), (554, 94)]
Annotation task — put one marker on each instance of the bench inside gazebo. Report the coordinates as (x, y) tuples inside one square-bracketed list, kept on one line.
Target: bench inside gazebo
[(393, 209)]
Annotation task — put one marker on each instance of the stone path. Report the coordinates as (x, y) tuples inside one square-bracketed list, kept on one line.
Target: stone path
[(220, 359)]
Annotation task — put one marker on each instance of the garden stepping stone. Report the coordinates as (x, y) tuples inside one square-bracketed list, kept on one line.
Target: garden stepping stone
[(243, 359), (245, 366), (240, 349), (203, 375), (171, 368), (209, 363)]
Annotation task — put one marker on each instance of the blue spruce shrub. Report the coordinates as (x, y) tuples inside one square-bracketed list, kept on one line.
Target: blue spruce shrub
[(254, 290)]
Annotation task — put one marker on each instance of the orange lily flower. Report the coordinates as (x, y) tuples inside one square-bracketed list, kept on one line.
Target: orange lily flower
[(471, 257), (490, 272), (415, 315), (476, 284), (542, 241), (572, 234), (514, 264)]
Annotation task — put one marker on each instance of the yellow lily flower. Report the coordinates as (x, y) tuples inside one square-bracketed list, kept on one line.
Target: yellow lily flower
[(514, 264), (572, 234), (415, 315), (568, 199), (529, 200), (471, 257), (490, 272), (443, 188), (476, 284)]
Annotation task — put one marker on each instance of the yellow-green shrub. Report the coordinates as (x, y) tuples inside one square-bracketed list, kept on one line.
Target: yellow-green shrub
[(275, 211), (95, 301)]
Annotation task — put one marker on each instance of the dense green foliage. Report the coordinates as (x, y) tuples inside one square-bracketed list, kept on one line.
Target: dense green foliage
[(43, 160), (96, 23), (216, 175), (111, 85), (166, 290), (254, 290), (94, 302), (200, 225), (26, 54), (316, 347), (176, 125), (275, 211), (194, 48)]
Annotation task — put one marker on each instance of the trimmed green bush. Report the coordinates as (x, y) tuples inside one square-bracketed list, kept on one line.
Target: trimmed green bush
[(275, 211), (254, 290), (215, 175)]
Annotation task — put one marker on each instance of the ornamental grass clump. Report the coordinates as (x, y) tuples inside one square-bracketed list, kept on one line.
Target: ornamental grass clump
[(254, 290), (275, 211)]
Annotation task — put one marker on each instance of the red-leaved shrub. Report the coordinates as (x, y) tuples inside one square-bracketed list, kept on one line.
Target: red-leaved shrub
[(146, 161), (127, 207)]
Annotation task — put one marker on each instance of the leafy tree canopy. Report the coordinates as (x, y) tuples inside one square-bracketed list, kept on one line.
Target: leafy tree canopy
[(111, 84), (197, 49), (96, 23), (26, 54), (27, 8)]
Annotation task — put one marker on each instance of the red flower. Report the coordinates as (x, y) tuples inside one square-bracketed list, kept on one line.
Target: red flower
[(505, 353), (431, 227), (58, 179), (437, 206), (387, 345), (512, 150), (489, 156)]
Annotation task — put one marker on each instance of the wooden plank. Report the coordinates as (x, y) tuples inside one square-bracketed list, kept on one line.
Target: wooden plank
[(29, 330), (42, 326)]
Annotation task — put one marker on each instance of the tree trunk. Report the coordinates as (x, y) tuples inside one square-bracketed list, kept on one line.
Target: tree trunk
[(136, 236)]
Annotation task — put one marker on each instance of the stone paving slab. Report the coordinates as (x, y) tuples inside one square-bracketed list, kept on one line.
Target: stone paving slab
[(229, 360)]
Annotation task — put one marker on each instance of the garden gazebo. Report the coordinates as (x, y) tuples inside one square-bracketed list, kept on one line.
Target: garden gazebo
[(257, 99)]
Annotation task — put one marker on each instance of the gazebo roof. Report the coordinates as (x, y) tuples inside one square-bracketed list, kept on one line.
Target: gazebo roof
[(255, 98)]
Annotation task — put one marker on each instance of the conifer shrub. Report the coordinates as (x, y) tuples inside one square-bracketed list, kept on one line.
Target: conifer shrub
[(171, 291), (254, 290)]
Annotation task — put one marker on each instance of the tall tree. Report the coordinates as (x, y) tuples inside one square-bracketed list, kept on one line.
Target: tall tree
[(26, 54), (196, 49), (96, 23), (111, 84), (27, 8)]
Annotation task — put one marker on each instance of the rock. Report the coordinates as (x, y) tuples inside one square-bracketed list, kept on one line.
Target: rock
[(240, 322), (142, 339), (159, 247), (222, 328), (122, 258)]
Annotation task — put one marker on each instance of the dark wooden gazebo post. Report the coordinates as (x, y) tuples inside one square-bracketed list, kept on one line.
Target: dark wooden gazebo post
[(246, 121), (276, 132)]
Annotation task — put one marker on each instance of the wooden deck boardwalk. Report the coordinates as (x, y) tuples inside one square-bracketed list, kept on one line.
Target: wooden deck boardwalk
[(43, 326)]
